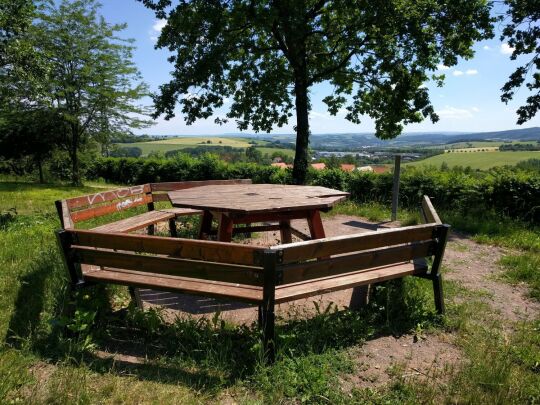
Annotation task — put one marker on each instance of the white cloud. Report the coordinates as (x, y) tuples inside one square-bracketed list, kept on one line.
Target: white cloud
[(454, 113), (506, 49), (458, 73), (156, 29), (440, 66), (471, 72), (159, 25), (486, 48), (316, 114)]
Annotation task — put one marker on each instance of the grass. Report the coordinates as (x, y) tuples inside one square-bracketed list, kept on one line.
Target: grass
[(51, 354), (477, 160), (524, 268)]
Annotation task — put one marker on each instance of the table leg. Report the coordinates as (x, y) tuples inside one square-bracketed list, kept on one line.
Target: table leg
[(206, 225), (285, 231), (315, 225), (225, 228)]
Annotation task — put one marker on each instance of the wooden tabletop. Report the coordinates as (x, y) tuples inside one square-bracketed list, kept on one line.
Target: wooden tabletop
[(256, 198)]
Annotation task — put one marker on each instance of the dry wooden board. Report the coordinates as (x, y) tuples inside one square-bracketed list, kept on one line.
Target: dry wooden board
[(135, 222), (207, 288), (310, 288), (255, 198)]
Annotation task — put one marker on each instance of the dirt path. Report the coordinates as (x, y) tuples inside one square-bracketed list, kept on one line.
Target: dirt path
[(472, 265)]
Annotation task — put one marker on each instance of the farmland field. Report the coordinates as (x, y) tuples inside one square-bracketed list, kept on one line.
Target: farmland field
[(476, 144), (477, 160), (167, 145)]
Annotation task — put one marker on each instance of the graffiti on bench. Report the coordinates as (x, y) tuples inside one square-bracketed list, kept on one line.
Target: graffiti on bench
[(116, 194), (127, 203)]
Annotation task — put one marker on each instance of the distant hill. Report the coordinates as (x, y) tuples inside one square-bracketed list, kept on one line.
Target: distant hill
[(344, 141)]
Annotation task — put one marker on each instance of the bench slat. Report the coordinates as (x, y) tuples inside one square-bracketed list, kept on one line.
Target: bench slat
[(179, 212), (98, 211), (135, 222), (349, 243), (306, 289), (167, 265), (207, 288), (105, 196), (195, 249), (293, 273)]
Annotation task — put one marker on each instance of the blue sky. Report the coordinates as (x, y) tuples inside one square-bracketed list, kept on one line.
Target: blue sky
[(469, 100)]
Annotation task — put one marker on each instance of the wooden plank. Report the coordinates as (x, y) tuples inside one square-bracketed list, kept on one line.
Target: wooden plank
[(429, 212), (230, 273), (207, 288), (225, 228), (315, 225), (306, 289), (293, 273), (180, 212), (233, 253), (105, 196), (183, 185), (300, 234), (136, 222), (101, 210), (349, 243), (64, 214), (285, 231)]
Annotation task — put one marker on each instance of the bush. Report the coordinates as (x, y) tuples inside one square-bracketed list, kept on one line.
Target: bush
[(508, 191)]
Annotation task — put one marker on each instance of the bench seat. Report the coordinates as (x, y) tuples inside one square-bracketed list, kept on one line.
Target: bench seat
[(253, 294), (145, 219), (309, 288), (136, 222), (210, 288)]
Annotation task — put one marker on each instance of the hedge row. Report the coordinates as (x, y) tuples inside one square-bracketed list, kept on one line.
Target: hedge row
[(511, 192)]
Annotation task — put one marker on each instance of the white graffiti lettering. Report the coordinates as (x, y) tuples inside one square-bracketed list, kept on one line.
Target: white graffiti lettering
[(114, 195), (127, 203)]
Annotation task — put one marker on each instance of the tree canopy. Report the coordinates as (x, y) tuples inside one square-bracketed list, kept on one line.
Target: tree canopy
[(87, 76), (523, 36), (265, 55)]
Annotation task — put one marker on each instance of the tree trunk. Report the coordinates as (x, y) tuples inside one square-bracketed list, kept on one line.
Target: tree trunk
[(302, 127), (40, 171), (75, 172)]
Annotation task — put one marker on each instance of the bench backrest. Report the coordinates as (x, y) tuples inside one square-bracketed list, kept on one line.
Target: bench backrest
[(196, 259), (77, 209), (343, 254)]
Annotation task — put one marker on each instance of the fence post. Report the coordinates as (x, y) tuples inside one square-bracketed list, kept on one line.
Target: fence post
[(395, 187)]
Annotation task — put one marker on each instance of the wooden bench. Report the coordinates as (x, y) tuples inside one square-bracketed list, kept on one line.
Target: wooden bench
[(78, 209), (261, 276)]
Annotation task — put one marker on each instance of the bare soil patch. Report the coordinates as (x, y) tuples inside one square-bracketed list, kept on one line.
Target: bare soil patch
[(476, 267)]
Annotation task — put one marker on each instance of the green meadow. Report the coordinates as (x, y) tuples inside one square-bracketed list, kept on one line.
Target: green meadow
[(167, 145), (477, 160)]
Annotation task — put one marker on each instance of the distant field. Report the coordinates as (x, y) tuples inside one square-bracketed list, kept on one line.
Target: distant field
[(286, 152), (167, 145), (476, 144), (477, 160), (470, 150)]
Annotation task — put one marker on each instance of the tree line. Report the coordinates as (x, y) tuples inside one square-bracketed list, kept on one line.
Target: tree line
[(67, 82)]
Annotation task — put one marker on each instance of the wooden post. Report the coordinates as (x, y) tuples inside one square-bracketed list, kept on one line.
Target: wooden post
[(64, 244), (395, 187), (267, 316), (442, 236)]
